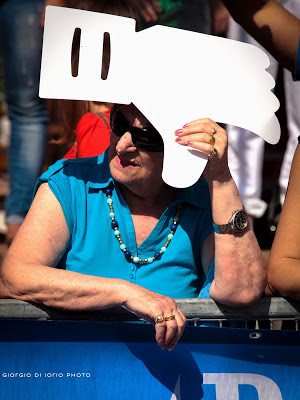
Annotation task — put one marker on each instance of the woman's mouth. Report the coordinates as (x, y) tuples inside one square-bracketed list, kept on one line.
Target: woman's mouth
[(123, 163)]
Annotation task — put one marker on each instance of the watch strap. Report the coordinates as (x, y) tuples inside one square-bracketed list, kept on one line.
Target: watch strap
[(226, 228), (230, 226)]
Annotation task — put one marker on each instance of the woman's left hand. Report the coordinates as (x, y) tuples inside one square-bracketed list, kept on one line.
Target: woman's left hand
[(208, 137)]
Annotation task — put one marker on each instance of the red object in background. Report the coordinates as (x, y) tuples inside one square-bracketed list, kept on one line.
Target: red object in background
[(92, 136)]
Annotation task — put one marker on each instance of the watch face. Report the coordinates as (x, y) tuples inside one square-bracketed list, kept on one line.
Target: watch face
[(240, 220)]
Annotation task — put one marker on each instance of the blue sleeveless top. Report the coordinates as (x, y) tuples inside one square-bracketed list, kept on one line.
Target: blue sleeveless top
[(93, 249)]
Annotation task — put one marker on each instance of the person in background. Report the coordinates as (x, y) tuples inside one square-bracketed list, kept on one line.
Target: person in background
[(246, 150), (89, 136), (20, 47)]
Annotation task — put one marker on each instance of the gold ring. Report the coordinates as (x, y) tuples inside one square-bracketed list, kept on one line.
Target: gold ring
[(215, 151), (213, 131), (160, 318), (170, 317), (212, 140)]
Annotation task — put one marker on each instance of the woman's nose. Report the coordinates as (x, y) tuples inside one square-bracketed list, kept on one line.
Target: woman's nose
[(125, 144)]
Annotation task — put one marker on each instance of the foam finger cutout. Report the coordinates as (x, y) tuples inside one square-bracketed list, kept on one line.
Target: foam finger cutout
[(173, 76)]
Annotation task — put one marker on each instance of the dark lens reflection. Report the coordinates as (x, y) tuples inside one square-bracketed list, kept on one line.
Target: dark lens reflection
[(147, 139)]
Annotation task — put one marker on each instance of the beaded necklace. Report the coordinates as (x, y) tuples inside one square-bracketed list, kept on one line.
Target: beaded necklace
[(128, 255)]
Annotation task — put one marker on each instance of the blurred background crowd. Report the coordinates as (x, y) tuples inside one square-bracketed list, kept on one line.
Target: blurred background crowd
[(31, 128)]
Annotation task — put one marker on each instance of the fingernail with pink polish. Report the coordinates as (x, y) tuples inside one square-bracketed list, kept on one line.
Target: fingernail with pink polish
[(178, 131), (190, 143), (184, 126), (178, 139)]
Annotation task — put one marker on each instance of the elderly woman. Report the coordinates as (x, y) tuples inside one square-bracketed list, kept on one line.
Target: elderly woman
[(116, 234)]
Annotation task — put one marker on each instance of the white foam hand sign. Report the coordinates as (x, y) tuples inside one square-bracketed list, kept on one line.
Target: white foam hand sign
[(173, 76)]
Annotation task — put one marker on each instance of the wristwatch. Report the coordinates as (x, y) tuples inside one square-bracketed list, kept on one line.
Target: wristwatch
[(237, 223)]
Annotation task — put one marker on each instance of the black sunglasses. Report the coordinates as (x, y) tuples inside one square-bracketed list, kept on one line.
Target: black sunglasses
[(147, 139)]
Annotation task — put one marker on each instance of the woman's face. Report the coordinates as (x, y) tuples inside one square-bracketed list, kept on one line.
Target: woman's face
[(134, 168)]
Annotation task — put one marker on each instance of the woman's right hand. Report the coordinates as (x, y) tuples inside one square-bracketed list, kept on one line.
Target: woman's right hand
[(149, 305), (198, 134)]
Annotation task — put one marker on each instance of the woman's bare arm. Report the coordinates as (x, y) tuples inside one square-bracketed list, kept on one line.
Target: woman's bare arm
[(240, 271), (27, 274), (284, 261), (26, 271)]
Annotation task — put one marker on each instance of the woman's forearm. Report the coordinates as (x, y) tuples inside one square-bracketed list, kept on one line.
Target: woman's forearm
[(59, 288), (240, 271), (73, 291)]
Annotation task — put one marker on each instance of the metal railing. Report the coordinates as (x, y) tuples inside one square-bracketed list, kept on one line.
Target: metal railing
[(269, 309)]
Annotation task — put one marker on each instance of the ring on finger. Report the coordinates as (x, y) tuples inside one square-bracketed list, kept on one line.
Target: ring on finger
[(213, 131), (215, 151), (170, 317), (160, 318), (212, 140)]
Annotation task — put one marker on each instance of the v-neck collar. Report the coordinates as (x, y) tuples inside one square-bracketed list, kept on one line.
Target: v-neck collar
[(127, 221)]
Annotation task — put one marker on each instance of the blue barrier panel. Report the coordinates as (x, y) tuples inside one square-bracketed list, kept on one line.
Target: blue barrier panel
[(94, 360)]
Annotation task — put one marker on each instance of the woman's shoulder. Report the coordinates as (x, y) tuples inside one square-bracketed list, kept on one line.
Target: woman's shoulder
[(78, 168), (70, 164)]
